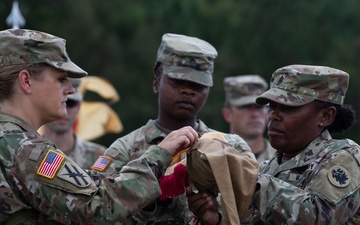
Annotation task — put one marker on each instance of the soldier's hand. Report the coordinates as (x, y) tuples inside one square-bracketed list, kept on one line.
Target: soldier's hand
[(204, 206), (180, 139)]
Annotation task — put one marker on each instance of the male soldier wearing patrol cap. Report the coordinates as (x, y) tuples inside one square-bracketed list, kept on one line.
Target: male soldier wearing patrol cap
[(245, 118), (61, 132), (312, 178), (39, 183), (182, 79)]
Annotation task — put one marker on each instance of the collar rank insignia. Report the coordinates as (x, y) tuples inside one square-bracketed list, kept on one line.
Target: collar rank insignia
[(101, 163), (50, 164), (74, 174), (339, 176)]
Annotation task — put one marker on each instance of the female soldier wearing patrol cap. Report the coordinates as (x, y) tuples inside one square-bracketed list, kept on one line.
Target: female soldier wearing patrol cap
[(39, 183), (312, 178)]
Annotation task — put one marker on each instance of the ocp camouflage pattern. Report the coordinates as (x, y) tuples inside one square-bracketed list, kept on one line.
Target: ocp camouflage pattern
[(23, 46), (134, 145), (296, 85), (187, 58), (321, 185), (85, 153), (72, 196), (243, 89)]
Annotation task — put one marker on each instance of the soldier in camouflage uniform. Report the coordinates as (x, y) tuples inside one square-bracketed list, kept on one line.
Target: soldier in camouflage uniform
[(245, 118), (182, 80), (312, 178), (39, 183), (84, 153)]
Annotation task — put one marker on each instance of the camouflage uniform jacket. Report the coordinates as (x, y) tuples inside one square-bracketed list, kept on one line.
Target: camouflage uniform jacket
[(134, 144), (321, 185), (85, 153), (267, 153), (41, 185)]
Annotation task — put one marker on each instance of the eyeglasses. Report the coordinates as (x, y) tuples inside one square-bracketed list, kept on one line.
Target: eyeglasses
[(71, 103)]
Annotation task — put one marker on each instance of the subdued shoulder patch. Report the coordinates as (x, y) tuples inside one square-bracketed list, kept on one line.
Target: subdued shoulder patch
[(339, 176), (101, 163), (72, 173), (50, 164)]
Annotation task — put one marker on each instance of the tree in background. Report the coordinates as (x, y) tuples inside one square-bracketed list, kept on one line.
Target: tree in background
[(118, 39)]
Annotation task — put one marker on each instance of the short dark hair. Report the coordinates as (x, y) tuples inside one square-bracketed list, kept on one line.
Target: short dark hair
[(157, 69)]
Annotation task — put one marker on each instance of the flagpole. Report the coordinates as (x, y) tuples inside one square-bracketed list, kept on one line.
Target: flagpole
[(15, 19)]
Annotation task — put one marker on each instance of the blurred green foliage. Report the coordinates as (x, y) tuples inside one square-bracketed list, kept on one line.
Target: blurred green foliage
[(118, 40)]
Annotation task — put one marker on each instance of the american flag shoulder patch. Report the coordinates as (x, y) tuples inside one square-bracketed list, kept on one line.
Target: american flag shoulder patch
[(50, 164), (101, 163)]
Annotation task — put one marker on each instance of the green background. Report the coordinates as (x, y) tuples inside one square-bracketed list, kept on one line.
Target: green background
[(118, 40)]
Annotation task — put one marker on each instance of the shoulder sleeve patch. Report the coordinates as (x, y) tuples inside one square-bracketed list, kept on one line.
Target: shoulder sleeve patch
[(50, 164), (339, 176), (72, 173), (101, 163)]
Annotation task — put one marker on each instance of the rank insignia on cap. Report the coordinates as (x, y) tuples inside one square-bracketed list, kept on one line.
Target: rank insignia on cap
[(339, 176), (101, 163), (279, 81), (50, 164)]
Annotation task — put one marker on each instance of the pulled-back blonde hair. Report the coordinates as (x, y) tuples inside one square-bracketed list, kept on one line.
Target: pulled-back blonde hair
[(9, 74)]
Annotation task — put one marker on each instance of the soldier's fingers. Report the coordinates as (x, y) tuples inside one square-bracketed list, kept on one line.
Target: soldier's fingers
[(190, 133), (200, 205), (179, 139), (194, 137)]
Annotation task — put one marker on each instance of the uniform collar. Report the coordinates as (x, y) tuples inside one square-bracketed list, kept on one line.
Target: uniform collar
[(307, 156), (4, 117)]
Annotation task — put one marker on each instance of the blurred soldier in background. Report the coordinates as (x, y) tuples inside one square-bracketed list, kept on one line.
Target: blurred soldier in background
[(245, 118)]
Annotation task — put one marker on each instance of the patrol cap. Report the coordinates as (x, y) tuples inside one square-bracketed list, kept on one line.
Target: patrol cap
[(243, 90), (297, 85), (187, 58), (77, 96), (21, 46)]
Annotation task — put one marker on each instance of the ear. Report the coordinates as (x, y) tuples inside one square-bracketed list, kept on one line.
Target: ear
[(226, 114), (327, 116), (24, 81)]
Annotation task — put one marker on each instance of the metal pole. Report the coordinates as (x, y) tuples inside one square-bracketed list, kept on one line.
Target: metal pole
[(15, 18)]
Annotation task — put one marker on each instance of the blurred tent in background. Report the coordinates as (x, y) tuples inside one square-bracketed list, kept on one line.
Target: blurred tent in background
[(97, 118)]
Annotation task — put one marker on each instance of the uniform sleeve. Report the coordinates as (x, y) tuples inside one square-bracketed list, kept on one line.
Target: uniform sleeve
[(54, 185), (331, 196), (156, 211), (119, 152)]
